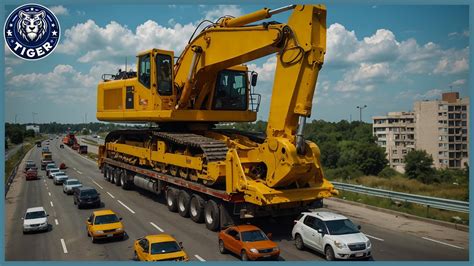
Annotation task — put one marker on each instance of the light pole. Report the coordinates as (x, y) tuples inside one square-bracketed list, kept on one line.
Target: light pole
[(360, 111)]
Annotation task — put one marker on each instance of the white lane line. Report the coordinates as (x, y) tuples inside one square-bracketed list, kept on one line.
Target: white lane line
[(79, 172), (49, 193), (369, 236), (199, 257), (56, 221), (98, 185), (64, 246), (436, 241), (51, 204), (126, 207), (157, 227), (74, 168), (111, 195)]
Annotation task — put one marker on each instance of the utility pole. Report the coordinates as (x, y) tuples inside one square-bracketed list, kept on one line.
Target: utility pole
[(360, 111)]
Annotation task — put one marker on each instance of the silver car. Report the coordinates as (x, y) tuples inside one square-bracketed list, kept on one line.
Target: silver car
[(53, 171), (59, 179), (70, 184), (35, 219)]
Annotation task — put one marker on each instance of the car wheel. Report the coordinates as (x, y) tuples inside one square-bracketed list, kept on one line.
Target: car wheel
[(243, 256), (93, 239), (329, 252), (222, 249), (299, 242), (135, 256), (88, 233)]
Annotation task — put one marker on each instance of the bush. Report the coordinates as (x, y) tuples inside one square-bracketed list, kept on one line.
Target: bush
[(418, 165), (16, 136), (346, 172), (388, 172), (30, 133)]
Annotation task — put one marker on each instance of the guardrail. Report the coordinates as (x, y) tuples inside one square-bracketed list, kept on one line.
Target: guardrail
[(15, 170), (437, 203)]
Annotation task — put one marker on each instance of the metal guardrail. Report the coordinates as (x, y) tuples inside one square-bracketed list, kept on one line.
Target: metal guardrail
[(437, 203), (9, 181)]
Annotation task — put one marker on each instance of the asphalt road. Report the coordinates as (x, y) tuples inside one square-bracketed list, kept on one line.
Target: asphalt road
[(144, 213)]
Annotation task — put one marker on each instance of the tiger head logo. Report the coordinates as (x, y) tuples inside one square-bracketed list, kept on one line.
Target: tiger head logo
[(32, 25)]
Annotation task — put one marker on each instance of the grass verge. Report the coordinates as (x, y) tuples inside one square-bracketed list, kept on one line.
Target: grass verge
[(406, 207), (15, 159)]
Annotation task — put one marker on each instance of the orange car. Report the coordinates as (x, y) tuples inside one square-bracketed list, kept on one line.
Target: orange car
[(249, 242)]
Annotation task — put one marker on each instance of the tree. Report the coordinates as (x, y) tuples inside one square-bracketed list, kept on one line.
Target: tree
[(16, 136), (418, 165), (30, 133)]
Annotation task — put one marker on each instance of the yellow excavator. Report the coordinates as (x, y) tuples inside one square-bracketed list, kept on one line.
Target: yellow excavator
[(209, 173)]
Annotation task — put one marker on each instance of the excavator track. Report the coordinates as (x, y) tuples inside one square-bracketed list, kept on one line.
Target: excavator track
[(213, 150)]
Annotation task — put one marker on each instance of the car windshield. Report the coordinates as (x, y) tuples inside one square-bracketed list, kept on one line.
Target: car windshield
[(73, 182), (106, 219), (88, 193), (35, 215), (341, 227), (252, 236), (164, 247)]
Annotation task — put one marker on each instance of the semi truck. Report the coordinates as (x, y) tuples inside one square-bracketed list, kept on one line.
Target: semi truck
[(214, 175)]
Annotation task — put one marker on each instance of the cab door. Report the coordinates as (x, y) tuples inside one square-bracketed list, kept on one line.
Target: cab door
[(309, 232), (163, 84), (233, 241), (142, 249), (321, 231), (89, 223)]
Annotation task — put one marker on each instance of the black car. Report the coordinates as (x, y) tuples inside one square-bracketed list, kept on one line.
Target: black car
[(86, 196)]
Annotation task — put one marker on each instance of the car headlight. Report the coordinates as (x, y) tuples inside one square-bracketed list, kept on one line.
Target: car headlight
[(276, 249), (253, 250), (339, 244), (368, 244), (119, 229), (99, 232)]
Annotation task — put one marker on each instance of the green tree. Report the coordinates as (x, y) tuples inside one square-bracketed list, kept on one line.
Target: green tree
[(30, 133), (419, 165), (16, 136)]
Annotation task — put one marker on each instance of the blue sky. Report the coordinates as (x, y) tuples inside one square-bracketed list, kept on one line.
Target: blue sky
[(383, 56)]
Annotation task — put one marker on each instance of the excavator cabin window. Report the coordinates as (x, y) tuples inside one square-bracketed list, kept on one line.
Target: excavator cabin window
[(231, 91), (144, 70), (163, 66)]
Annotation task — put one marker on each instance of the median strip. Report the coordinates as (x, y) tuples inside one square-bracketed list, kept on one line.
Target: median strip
[(199, 257), (126, 206), (64, 246), (157, 227), (439, 242)]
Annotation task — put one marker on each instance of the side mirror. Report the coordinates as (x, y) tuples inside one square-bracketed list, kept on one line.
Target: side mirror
[(181, 244), (98, 194), (359, 227), (89, 220), (320, 231), (120, 219), (47, 214), (22, 218), (237, 237), (269, 235), (254, 79)]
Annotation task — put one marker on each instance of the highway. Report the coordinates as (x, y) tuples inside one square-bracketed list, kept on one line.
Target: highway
[(393, 237)]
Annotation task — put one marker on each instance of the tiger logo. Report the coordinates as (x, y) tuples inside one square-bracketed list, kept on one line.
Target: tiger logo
[(32, 26)]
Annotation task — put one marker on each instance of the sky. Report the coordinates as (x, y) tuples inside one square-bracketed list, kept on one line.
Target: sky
[(382, 56)]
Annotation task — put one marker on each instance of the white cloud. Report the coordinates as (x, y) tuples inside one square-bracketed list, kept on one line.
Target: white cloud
[(59, 10), (416, 95), (8, 71), (222, 10), (114, 41), (458, 82), (365, 77)]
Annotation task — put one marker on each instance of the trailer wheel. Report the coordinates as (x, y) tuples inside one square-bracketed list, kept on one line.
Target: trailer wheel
[(171, 200), (104, 170), (184, 200), (124, 180), (113, 172), (196, 209), (118, 176), (211, 215)]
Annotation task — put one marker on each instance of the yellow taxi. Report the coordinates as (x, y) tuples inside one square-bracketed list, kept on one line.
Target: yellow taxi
[(161, 247), (104, 224)]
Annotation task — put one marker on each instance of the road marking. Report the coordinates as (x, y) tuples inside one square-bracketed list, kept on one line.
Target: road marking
[(79, 172), (74, 168), (64, 246), (44, 180), (157, 227), (126, 207), (199, 257), (98, 185), (51, 204), (369, 236), (56, 221), (49, 193), (436, 241), (111, 195)]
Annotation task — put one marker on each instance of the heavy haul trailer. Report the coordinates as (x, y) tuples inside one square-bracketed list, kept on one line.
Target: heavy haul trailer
[(215, 173)]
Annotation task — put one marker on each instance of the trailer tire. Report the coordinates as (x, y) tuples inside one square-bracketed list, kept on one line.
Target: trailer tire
[(118, 176), (184, 200), (113, 172), (196, 209), (171, 199), (211, 215), (104, 170), (126, 185)]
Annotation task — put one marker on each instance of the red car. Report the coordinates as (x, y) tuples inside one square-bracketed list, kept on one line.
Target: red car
[(249, 242), (31, 174)]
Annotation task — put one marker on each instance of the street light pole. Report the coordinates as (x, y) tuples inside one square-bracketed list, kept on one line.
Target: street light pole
[(360, 111)]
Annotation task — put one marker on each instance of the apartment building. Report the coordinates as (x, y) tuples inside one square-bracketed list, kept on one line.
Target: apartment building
[(396, 133), (439, 127), (442, 130)]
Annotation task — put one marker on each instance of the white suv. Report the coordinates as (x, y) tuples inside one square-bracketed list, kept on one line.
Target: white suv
[(35, 219), (332, 234)]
